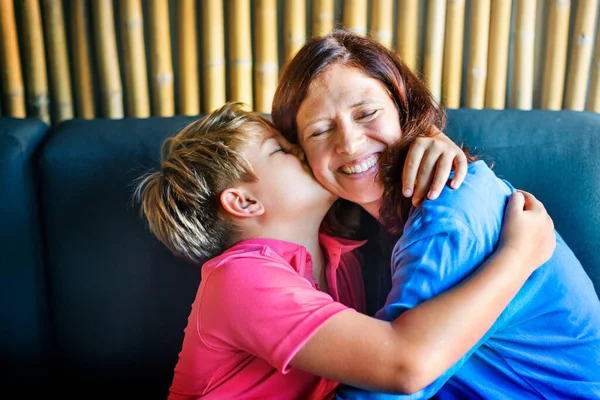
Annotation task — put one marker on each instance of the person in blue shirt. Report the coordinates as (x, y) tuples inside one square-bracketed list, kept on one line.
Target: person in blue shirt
[(354, 107), (546, 343)]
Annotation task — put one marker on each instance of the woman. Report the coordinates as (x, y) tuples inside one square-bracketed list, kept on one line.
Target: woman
[(354, 108)]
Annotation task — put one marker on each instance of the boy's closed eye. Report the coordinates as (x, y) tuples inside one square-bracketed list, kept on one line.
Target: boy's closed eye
[(279, 149)]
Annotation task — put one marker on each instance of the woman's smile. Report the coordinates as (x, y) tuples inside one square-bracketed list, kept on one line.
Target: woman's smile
[(361, 166)]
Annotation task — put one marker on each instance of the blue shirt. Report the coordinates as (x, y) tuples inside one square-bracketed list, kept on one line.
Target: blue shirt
[(546, 343)]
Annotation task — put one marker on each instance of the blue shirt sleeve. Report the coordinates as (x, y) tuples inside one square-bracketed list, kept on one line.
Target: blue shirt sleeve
[(428, 260)]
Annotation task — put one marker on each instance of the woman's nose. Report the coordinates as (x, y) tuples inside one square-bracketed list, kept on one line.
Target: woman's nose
[(349, 139)]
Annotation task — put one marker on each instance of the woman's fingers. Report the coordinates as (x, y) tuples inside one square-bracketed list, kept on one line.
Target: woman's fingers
[(428, 166), (411, 167), (460, 170), (442, 172), (426, 173)]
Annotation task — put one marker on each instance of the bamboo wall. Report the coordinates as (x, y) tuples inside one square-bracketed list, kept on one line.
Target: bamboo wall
[(64, 59)]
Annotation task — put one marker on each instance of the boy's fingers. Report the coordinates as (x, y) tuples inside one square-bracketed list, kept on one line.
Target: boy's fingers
[(530, 202), (460, 170), (516, 201)]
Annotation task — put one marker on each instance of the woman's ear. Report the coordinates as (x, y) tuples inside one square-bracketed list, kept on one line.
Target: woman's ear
[(238, 202)]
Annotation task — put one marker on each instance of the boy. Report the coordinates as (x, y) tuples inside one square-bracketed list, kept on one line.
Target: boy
[(227, 178), (274, 314)]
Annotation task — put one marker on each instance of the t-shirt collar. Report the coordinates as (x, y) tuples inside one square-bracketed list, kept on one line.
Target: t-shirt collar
[(292, 253)]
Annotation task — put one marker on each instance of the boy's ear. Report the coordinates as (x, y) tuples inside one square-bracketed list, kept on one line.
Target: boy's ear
[(238, 202)]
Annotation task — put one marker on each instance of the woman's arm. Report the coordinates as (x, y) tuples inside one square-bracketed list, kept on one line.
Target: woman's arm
[(407, 354), (428, 165)]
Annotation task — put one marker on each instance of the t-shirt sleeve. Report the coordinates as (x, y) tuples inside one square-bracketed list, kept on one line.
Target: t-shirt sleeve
[(428, 266), (260, 306), (423, 267)]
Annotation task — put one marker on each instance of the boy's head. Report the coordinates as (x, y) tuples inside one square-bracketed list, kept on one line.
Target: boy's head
[(226, 177)]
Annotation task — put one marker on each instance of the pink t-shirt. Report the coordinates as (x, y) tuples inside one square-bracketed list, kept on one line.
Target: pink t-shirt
[(256, 306)]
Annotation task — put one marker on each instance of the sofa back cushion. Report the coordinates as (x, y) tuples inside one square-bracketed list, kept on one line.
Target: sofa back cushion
[(23, 314), (119, 299)]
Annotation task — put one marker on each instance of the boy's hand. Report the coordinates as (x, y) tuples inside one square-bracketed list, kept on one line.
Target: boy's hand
[(527, 230), (428, 156)]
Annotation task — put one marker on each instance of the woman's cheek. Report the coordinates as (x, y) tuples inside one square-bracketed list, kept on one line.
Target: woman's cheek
[(320, 169)]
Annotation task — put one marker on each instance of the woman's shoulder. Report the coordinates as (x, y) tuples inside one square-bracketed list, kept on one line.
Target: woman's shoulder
[(479, 201), (481, 189)]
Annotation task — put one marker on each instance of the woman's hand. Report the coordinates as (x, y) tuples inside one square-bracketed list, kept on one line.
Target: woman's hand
[(527, 230), (428, 156)]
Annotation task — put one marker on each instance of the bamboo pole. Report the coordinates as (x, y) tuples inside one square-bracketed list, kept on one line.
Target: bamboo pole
[(240, 52), (294, 27), (266, 69), (82, 68), (581, 55), (111, 90), (478, 54), (322, 17), (187, 78), (355, 16), (213, 54), (556, 54), (522, 97), (453, 54), (134, 59), (163, 92), (495, 86), (188, 81), (407, 32), (10, 63), (58, 61), (594, 95), (434, 47), (35, 62), (381, 21)]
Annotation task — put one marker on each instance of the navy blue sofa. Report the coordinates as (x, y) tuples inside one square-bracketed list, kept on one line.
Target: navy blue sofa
[(90, 299)]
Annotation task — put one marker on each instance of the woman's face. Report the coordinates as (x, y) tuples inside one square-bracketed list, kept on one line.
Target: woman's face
[(346, 120)]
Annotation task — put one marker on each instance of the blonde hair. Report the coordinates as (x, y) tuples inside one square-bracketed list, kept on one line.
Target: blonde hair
[(181, 200)]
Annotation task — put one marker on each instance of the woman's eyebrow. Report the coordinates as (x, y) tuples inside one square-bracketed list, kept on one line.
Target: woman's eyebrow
[(360, 103), (313, 121)]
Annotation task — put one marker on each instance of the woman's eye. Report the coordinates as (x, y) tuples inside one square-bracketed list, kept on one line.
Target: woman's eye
[(319, 133), (367, 115)]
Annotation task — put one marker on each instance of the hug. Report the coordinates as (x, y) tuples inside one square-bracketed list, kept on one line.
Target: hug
[(350, 249)]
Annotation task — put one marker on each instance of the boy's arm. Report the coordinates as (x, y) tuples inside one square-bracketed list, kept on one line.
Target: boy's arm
[(423, 269), (406, 355)]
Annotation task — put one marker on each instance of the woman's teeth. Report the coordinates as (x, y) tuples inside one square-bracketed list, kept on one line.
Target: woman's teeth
[(361, 167)]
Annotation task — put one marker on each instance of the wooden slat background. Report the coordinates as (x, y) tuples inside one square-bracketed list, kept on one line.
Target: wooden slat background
[(63, 59)]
